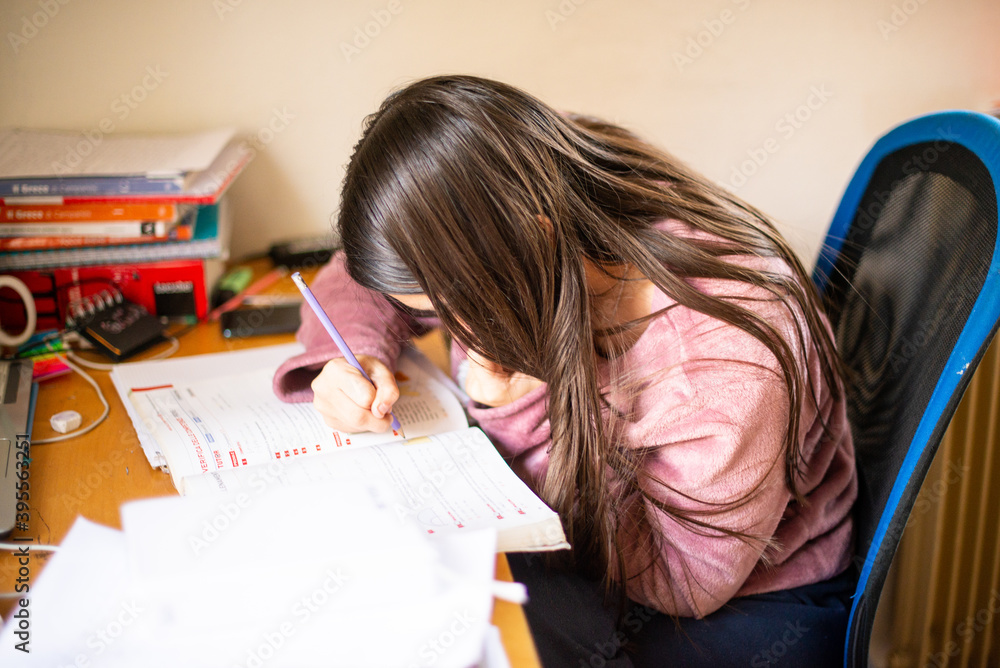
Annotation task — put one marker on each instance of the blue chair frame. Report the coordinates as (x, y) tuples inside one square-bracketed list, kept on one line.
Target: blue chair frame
[(980, 134)]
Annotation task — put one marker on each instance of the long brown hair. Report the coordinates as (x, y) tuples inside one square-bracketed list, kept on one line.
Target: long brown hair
[(444, 195)]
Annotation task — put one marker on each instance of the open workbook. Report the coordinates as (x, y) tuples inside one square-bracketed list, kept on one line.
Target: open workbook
[(214, 423)]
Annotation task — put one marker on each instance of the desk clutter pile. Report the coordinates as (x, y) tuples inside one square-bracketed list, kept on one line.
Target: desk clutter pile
[(143, 216), (281, 576)]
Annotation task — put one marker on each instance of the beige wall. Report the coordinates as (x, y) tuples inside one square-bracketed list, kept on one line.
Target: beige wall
[(863, 65)]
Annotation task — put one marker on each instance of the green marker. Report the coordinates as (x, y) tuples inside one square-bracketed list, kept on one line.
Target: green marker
[(233, 283)]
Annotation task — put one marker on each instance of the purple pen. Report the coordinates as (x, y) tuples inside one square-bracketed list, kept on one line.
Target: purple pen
[(334, 334)]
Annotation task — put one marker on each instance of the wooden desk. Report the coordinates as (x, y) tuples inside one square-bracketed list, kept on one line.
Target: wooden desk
[(92, 475)]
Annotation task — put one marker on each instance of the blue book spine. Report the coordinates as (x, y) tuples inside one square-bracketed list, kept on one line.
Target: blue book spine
[(89, 185)]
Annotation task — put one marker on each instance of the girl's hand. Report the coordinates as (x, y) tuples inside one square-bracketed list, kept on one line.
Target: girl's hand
[(350, 403), (491, 385)]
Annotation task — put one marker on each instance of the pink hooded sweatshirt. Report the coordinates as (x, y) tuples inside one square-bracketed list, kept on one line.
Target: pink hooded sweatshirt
[(708, 423)]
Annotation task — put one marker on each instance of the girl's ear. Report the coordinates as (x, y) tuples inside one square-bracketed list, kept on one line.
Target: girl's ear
[(546, 224)]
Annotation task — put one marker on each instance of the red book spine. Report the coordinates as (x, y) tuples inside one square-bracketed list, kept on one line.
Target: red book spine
[(54, 213)]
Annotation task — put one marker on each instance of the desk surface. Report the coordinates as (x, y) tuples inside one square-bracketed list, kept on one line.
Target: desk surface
[(92, 475)]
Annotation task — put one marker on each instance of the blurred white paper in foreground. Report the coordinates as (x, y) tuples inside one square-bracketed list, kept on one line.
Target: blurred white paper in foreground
[(314, 575)]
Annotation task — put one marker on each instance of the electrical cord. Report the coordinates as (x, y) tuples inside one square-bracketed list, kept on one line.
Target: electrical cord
[(74, 362), (89, 427), (100, 366), (34, 547)]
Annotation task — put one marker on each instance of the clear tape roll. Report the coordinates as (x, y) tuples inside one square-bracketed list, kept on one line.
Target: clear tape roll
[(18, 286)]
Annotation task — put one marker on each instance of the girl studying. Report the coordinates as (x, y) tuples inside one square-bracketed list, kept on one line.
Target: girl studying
[(643, 348)]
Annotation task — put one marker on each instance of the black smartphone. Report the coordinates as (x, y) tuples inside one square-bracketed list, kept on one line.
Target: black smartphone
[(279, 318)]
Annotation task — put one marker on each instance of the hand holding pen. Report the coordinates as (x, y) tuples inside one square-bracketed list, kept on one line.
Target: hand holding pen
[(344, 349)]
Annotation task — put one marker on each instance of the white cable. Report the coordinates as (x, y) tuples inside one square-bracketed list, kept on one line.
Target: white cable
[(83, 430), (32, 547), (174, 347), (100, 366)]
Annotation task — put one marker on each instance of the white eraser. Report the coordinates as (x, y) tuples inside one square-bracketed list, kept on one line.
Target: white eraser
[(65, 421)]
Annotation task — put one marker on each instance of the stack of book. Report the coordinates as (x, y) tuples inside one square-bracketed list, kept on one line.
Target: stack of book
[(143, 215)]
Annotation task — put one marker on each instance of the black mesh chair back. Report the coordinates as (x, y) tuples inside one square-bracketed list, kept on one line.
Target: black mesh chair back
[(909, 275)]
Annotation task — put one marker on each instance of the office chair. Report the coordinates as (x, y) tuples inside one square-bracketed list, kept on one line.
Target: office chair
[(910, 276)]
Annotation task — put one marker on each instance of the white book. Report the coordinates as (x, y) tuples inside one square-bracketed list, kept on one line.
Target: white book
[(215, 424), (26, 153), (116, 229)]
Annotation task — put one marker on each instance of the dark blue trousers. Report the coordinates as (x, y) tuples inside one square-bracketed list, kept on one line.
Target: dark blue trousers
[(572, 627)]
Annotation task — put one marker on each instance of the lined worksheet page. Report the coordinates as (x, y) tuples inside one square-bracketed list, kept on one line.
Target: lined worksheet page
[(445, 483), (235, 420), (159, 373)]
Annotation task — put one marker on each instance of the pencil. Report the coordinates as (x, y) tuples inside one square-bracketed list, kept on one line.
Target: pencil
[(334, 334)]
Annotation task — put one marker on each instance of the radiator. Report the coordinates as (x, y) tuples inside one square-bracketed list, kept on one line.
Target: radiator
[(942, 604)]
